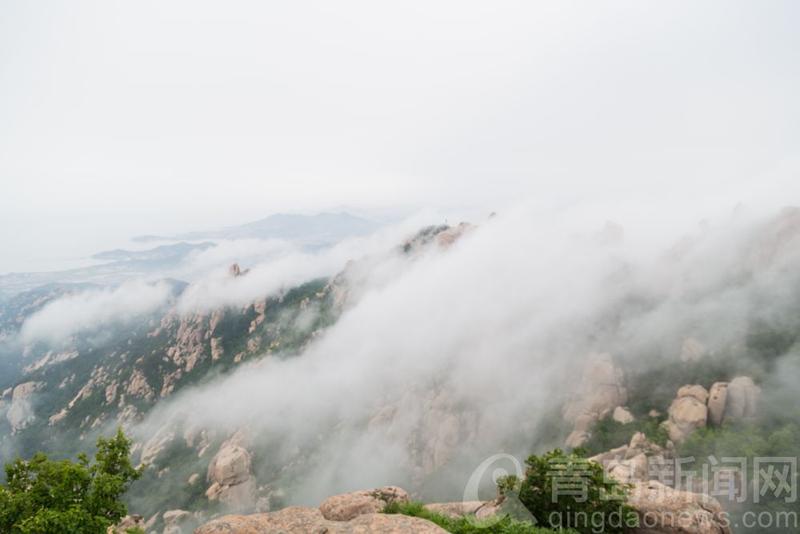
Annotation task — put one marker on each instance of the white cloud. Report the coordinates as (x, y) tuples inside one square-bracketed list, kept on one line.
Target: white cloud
[(93, 309), (465, 351)]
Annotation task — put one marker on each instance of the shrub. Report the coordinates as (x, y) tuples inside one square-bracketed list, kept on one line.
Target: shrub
[(469, 525), (568, 491), (44, 496), (608, 434)]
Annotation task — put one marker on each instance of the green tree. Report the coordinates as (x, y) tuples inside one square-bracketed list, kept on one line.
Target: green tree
[(44, 496), (568, 491)]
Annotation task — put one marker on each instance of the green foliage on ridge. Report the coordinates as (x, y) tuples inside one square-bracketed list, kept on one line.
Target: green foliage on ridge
[(44, 496)]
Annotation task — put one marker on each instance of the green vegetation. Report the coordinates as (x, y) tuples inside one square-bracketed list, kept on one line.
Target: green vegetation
[(608, 434), (560, 492), (568, 491), (749, 441), (44, 496), (469, 525)]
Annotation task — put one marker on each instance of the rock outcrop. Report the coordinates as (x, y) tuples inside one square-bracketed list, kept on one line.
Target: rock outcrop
[(717, 398), (601, 390), (743, 396), (177, 522), (347, 506), (638, 461), (664, 510), (687, 412), (661, 509), (622, 415), (20, 413), (301, 520), (229, 475)]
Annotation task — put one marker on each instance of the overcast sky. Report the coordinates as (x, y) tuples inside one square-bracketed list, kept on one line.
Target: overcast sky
[(119, 119)]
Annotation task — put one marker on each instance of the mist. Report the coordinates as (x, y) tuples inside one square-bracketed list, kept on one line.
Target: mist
[(157, 128), (464, 352), (93, 309)]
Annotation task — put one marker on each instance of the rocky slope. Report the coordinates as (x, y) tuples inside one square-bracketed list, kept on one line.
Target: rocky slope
[(693, 383)]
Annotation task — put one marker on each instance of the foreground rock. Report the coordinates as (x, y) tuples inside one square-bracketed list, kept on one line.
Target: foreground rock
[(661, 509), (300, 520), (664, 510), (479, 509), (347, 506)]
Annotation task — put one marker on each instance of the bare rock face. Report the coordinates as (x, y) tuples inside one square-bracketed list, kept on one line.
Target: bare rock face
[(601, 390), (622, 415), (20, 414), (687, 412), (346, 506), (300, 520), (229, 474), (177, 522), (156, 445), (698, 392), (663, 510), (742, 398), (138, 387), (577, 438), (717, 398), (637, 461)]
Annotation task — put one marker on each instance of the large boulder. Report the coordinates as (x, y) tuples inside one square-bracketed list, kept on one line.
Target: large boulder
[(622, 415), (742, 398), (664, 510), (300, 520), (346, 506), (717, 398), (687, 412), (229, 475)]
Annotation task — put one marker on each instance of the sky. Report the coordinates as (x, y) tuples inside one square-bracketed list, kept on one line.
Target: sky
[(127, 118)]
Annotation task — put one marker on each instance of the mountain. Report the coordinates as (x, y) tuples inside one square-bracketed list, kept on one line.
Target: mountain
[(119, 265), (310, 230), (400, 369), (157, 257)]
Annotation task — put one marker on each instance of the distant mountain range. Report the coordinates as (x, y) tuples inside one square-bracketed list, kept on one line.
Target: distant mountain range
[(308, 231), (315, 230)]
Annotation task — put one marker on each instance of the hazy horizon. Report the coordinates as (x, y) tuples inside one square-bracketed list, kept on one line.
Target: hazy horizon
[(129, 119)]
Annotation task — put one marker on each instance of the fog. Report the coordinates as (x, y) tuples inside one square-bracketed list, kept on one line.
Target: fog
[(638, 156), (93, 309), (466, 352), (121, 119)]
